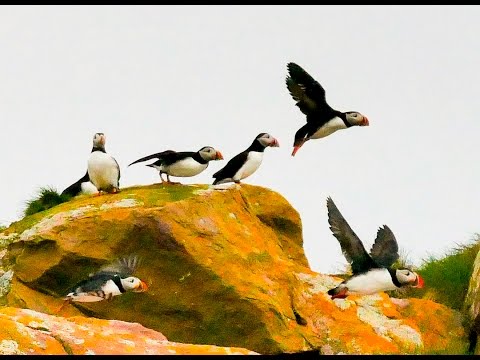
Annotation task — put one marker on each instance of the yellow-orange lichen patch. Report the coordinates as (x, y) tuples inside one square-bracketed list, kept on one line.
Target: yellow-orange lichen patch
[(27, 332), (440, 326), (26, 339)]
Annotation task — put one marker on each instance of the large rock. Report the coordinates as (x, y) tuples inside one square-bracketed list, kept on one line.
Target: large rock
[(224, 267), (27, 332)]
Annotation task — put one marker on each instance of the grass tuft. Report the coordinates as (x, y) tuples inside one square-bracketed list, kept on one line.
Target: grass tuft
[(47, 198)]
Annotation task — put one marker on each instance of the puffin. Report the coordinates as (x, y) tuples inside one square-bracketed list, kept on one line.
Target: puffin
[(247, 162), (182, 163), (103, 169), (81, 186), (112, 280), (322, 119), (371, 273)]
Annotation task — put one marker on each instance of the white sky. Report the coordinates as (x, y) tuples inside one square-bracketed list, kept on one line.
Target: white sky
[(182, 77)]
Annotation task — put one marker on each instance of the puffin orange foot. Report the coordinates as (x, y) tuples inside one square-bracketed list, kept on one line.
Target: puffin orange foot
[(342, 294)]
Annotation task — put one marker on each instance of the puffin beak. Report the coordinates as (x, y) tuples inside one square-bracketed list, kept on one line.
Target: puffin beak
[(274, 143), (142, 287), (219, 156), (365, 122), (419, 282), (297, 145)]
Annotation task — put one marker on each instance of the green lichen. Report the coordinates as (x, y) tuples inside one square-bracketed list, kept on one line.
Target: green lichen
[(262, 257)]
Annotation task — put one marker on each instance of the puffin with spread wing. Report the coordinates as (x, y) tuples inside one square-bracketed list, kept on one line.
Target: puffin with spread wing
[(371, 273), (322, 119)]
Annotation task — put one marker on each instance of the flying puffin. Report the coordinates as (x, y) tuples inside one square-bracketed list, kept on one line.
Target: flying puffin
[(103, 169), (322, 120), (111, 280), (81, 186), (372, 272), (247, 162), (183, 163)]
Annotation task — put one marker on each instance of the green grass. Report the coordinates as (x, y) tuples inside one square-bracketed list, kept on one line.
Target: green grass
[(46, 198), (446, 277)]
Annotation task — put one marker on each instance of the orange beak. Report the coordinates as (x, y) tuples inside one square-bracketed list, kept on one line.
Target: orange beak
[(297, 144), (142, 287), (365, 122), (419, 282), (275, 143), (219, 156), (295, 149)]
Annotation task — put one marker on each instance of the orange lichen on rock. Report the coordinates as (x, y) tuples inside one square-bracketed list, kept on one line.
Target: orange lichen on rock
[(441, 327), (28, 332)]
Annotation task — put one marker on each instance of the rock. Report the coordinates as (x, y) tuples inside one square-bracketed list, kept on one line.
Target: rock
[(27, 332), (224, 267)]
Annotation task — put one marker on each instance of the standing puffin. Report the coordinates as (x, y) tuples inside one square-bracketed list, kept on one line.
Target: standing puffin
[(183, 163), (322, 120), (111, 280), (81, 186), (247, 162), (372, 272), (103, 169)]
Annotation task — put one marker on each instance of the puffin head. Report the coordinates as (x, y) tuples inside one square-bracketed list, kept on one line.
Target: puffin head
[(410, 278), (99, 140), (355, 118), (134, 284), (267, 140), (209, 153)]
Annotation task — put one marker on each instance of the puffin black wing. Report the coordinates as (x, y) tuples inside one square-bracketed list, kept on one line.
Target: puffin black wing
[(233, 165), (124, 267), (385, 248), (306, 91), (159, 156), (352, 247), (118, 167), (76, 188), (93, 283)]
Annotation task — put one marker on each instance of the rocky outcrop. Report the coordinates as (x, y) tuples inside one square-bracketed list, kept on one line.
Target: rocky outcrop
[(224, 267), (27, 332)]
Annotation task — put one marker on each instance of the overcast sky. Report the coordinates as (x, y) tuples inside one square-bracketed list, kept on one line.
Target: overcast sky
[(181, 77)]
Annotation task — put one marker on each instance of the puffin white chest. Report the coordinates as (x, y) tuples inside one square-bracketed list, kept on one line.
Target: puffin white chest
[(329, 128), (103, 170), (254, 159), (371, 282), (185, 168), (108, 288)]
